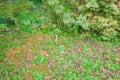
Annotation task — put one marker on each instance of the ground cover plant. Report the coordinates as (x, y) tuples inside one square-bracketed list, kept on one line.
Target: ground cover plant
[(59, 40)]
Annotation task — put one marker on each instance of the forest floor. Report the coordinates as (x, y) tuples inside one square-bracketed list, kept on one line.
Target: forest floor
[(48, 57)]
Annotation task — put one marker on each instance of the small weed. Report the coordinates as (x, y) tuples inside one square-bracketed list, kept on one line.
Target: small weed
[(37, 76), (39, 59), (112, 67)]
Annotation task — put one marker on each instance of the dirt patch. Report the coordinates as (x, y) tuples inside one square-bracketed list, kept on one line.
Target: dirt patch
[(117, 72), (40, 67), (45, 53), (17, 54), (28, 76), (25, 53)]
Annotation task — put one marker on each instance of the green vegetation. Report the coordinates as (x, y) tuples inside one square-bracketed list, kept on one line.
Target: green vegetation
[(59, 39)]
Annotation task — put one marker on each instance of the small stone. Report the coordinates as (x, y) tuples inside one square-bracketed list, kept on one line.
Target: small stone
[(4, 60), (79, 51)]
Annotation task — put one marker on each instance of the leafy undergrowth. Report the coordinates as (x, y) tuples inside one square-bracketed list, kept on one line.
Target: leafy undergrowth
[(50, 57)]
